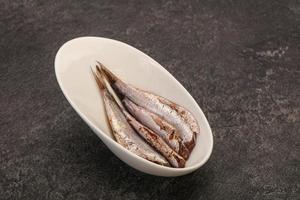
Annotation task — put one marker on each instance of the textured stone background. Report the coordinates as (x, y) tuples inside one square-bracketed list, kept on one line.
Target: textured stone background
[(239, 59)]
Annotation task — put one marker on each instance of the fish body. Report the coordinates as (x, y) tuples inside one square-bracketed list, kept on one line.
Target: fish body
[(154, 122), (179, 117), (124, 134), (157, 142)]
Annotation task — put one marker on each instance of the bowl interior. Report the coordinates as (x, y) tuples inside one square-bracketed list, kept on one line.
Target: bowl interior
[(132, 66)]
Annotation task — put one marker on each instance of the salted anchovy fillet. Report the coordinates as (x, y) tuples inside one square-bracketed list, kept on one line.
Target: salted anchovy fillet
[(174, 114), (184, 113), (157, 142), (154, 122), (122, 131)]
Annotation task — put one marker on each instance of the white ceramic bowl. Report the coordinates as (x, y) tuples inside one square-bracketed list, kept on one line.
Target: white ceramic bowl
[(73, 73)]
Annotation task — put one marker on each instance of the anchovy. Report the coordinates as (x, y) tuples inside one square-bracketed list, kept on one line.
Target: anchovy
[(157, 142), (174, 114), (122, 131), (155, 123)]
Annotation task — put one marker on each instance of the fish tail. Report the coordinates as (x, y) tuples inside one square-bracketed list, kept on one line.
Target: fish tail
[(111, 79), (110, 76), (114, 95), (98, 77)]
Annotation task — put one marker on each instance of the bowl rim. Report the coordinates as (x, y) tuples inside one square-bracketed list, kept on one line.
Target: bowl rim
[(111, 140)]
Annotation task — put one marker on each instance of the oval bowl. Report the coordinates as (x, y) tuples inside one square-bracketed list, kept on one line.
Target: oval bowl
[(73, 73)]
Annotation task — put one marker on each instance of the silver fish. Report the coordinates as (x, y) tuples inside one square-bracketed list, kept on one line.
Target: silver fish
[(122, 131), (157, 142), (155, 123), (174, 114)]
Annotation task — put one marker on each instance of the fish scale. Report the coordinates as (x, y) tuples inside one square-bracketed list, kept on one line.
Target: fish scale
[(125, 135), (171, 112), (155, 123)]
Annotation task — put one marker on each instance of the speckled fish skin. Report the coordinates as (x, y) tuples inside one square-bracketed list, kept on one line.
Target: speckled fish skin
[(157, 142), (187, 128), (184, 113), (124, 134), (165, 130)]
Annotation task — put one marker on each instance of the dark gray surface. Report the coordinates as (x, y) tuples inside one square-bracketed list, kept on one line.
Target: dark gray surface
[(239, 59)]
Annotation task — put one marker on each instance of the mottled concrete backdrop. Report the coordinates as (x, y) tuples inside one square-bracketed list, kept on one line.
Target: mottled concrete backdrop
[(239, 59)]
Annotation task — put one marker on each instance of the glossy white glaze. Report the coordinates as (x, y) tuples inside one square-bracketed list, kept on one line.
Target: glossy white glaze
[(72, 67)]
